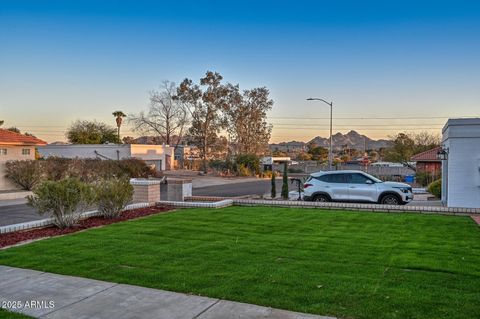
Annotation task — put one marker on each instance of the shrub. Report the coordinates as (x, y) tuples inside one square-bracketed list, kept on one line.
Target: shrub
[(65, 200), (134, 168), (242, 170), (55, 168), (435, 188), (112, 195), (295, 170), (26, 174), (285, 181), (250, 161), (425, 178), (273, 192)]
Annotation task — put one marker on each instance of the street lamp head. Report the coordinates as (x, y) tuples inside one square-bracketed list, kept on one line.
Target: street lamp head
[(310, 99)]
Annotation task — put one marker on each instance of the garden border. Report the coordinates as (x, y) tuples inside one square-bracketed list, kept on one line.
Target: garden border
[(49, 221)]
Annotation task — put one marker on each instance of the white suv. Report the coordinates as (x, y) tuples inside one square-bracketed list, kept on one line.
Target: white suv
[(355, 186)]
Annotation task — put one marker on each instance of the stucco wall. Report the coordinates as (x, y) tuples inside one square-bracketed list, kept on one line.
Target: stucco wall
[(461, 178), (13, 153), (110, 151), (154, 153), (150, 153)]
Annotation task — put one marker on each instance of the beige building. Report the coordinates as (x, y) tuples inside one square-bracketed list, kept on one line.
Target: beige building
[(15, 146)]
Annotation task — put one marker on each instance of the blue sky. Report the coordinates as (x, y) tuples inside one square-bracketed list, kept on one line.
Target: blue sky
[(411, 63)]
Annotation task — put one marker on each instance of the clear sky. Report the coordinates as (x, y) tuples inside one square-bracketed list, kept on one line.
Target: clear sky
[(410, 63)]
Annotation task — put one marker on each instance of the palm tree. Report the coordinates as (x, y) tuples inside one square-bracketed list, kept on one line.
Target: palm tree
[(119, 119)]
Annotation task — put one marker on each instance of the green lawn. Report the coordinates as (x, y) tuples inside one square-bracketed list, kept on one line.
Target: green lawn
[(346, 264), (4, 314)]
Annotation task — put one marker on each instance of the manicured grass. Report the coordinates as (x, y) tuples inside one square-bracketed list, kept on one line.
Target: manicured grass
[(4, 314), (346, 264)]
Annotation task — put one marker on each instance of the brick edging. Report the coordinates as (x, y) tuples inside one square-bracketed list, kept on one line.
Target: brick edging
[(329, 205)]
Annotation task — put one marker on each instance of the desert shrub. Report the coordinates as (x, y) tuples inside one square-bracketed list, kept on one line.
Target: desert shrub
[(55, 168), (242, 170), (249, 161), (295, 170), (26, 174), (218, 165), (134, 168), (425, 178), (435, 188), (65, 200), (112, 195)]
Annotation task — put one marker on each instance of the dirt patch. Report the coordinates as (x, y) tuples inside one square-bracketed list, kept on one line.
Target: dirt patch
[(14, 238)]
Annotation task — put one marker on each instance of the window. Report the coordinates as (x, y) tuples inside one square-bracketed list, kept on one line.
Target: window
[(3, 151), (25, 151), (332, 178), (358, 179)]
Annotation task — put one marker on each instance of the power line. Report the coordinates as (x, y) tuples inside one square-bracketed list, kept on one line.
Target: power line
[(356, 125), (370, 117)]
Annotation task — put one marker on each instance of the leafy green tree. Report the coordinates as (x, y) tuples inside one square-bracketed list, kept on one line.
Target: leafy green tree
[(247, 120), (206, 103), (403, 148), (285, 181), (318, 153), (119, 115), (91, 132)]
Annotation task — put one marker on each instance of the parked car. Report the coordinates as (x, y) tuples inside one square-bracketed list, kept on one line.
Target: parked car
[(355, 186)]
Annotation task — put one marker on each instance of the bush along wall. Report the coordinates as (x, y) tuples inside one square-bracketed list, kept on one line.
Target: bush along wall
[(27, 174)]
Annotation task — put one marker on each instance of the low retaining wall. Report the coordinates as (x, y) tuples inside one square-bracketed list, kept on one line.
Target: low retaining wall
[(49, 221), (328, 205), (216, 204)]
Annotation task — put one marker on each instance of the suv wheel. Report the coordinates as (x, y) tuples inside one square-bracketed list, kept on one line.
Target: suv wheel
[(391, 199), (321, 198)]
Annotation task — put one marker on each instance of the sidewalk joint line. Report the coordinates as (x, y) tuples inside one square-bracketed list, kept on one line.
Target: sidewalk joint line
[(206, 309), (73, 303)]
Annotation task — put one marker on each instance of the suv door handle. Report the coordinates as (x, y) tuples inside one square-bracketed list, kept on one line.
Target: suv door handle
[(352, 187)]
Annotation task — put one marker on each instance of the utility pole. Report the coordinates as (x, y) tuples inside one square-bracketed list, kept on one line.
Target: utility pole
[(330, 151)]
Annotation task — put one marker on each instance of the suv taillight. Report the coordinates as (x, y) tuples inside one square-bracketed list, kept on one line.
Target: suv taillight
[(307, 185)]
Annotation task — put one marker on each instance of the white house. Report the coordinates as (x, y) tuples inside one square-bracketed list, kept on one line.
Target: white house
[(159, 155), (461, 163)]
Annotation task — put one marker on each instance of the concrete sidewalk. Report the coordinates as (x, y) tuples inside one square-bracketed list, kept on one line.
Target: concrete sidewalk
[(46, 295)]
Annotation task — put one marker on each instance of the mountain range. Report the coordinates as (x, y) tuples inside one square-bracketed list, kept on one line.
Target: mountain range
[(351, 140)]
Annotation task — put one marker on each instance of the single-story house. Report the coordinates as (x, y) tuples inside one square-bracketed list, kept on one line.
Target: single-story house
[(161, 156), (460, 154), (15, 146), (428, 163)]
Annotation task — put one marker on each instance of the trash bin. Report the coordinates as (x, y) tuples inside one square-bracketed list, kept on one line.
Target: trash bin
[(409, 179)]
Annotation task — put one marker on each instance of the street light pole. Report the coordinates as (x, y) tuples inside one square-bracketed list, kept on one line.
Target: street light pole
[(330, 152)]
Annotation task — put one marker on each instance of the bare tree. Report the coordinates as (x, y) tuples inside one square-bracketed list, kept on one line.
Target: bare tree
[(425, 141), (167, 116)]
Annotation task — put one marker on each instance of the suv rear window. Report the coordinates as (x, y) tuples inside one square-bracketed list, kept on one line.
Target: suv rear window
[(332, 178)]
